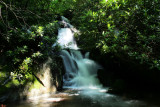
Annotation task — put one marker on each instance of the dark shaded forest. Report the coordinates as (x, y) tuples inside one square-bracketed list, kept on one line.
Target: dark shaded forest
[(121, 35)]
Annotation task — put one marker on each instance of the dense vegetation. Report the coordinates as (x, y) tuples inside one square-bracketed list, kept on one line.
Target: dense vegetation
[(127, 35), (123, 27), (27, 35), (128, 30)]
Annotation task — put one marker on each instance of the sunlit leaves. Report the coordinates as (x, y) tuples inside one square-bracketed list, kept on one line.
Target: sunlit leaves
[(28, 47), (105, 49), (103, 1), (40, 31), (37, 54), (122, 27), (24, 67), (109, 26), (27, 61)]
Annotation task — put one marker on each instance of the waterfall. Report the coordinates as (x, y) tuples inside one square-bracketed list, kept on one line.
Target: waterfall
[(66, 38), (80, 71)]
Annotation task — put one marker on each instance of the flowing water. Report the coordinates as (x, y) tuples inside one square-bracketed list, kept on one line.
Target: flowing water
[(81, 98), (81, 86)]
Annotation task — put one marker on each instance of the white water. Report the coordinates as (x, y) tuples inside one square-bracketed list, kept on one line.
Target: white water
[(81, 75), (81, 72), (66, 39)]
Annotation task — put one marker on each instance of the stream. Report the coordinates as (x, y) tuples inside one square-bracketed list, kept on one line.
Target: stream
[(82, 98)]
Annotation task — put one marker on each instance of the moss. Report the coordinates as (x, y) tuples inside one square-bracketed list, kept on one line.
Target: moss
[(35, 85), (12, 83)]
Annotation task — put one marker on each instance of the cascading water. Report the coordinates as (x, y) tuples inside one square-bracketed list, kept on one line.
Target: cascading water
[(66, 38), (81, 74), (81, 71)]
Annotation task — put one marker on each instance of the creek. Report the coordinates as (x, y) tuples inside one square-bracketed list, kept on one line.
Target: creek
[(82, 98)]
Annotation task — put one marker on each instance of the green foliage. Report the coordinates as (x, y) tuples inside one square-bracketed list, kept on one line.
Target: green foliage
[(121, 27), (28, 30), (127, 28), (28, 48)]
